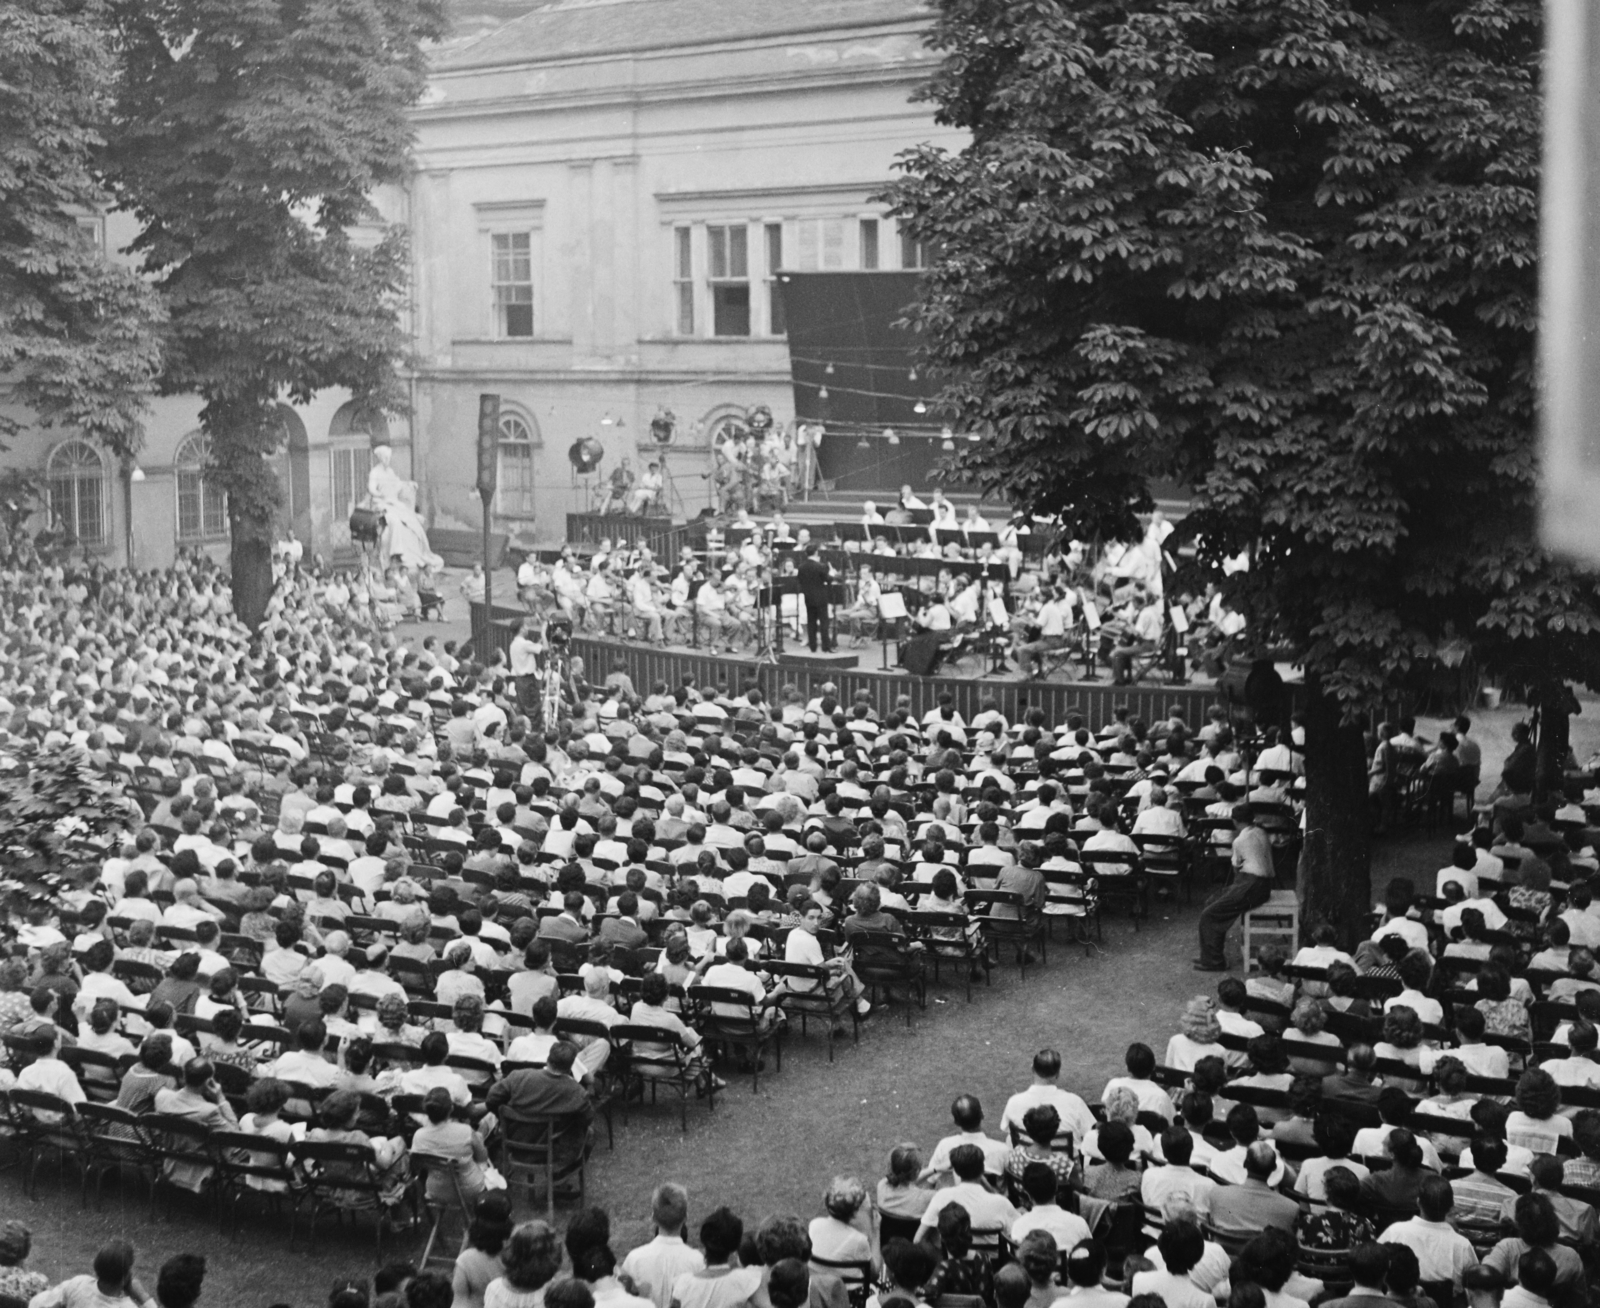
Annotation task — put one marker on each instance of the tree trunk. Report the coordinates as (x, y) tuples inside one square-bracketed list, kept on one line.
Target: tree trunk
[(252, 577), (1335, 876)]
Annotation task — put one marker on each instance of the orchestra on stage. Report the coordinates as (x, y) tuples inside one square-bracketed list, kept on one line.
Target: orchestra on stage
[(946, 589)]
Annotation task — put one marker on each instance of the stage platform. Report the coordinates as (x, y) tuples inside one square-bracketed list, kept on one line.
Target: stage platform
[(648, 664)]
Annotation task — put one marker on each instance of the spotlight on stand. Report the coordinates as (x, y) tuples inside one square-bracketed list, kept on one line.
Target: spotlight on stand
[(585, 454), (663, 427), (759, 419)]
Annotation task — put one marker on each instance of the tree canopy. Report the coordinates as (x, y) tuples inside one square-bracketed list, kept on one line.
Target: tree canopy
[(249, 136), (1283, 251), (77, 344)]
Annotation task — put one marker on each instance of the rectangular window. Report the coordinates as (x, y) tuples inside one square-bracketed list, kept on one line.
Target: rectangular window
[(774, 234), (913, 254), (869, 244), (729, 255), (350, 469), (92, 232), (513, 283), (833, 242), (683, 278), (516, 478), (202, 508)]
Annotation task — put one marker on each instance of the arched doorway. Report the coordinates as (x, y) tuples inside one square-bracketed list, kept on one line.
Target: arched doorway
[(296, 473), (352, 433)]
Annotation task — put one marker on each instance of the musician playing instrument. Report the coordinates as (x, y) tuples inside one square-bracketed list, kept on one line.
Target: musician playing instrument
[(642, 596), (863, 611), (1055, 621)]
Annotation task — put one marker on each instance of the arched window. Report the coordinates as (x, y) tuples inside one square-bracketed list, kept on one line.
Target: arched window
[(76, 475), (519, 438), (202, 507)]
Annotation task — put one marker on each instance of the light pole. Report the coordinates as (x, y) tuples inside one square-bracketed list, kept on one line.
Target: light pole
[(131, 472)]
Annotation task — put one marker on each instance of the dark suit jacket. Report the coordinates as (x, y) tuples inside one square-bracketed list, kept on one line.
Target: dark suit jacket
[(812, 576)]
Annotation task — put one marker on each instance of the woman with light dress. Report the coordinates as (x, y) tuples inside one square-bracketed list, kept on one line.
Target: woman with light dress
[(457, 1143), (1199, 1035), (843, 1233), (531, 1257)]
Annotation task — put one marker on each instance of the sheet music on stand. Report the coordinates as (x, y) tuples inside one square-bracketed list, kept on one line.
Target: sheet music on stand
[(892, 606), (1091, 615), (997, 612), (1180, 619)]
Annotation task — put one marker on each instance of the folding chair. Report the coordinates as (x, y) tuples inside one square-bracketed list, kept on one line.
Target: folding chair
[(45, 1123), (422, 1166), (344, 1178), (243, 1158), (856, 1276), (806, 994), (112, 1142), (946, 939), (1009, 927), (1126, 882), (530, 1148), (733, 1019), (182, 1153), (1166, 859), (882, 960), (658, 1056)]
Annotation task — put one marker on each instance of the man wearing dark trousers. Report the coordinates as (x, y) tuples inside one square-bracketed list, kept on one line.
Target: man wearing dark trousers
[(812, 575), (1250, 888)]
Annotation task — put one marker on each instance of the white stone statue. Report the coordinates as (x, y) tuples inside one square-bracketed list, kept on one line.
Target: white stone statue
[(396, 499)]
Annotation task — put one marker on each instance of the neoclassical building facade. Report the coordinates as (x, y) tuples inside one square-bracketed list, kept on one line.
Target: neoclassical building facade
[(604, 196)]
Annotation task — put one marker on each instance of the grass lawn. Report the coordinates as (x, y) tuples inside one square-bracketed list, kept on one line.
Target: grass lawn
[(774, 1151)]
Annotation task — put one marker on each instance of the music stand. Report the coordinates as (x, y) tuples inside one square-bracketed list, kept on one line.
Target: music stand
[(891, 608), (771, 597)]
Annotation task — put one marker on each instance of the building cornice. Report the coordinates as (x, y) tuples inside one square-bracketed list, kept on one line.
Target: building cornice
[(632, 95), (460, 61)]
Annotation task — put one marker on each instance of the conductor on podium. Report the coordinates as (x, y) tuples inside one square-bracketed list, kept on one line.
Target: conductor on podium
[(812, 576)]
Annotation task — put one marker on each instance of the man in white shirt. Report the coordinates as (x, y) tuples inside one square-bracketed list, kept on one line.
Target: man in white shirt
[(1054, 619), (1176, 1177), (304, 1064), (47, 1073), (988, 1210), (1443, 1254), (656, 1266), (1073, 1112), (1164, 817), (1140, 1061), (967, 1113), (1039, 1183)]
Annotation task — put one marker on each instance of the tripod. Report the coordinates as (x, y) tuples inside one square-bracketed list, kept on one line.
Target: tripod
[(671, 497)]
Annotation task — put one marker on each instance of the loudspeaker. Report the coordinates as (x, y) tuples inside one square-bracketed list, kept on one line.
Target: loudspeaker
[(921, 654)]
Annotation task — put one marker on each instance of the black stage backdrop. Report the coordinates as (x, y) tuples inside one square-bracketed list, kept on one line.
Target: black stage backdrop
[(852, 370)]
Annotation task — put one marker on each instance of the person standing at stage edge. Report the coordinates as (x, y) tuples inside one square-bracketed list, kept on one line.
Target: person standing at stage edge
[(813, 578), (1251, 887)]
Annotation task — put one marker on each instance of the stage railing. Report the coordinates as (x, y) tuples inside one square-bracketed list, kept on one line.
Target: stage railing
[(646, 665), (592, 528)]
